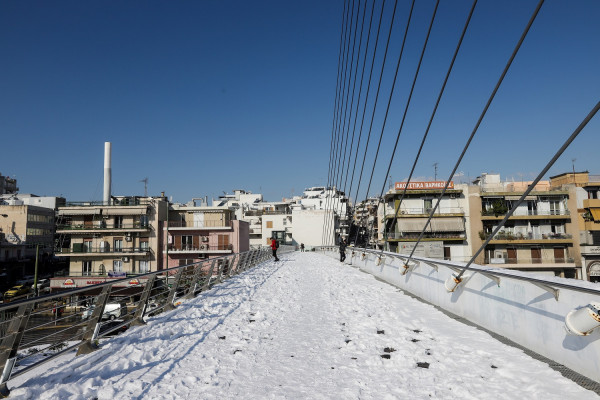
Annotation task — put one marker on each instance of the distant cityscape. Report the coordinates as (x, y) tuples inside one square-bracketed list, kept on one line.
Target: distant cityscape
[(555, 231)]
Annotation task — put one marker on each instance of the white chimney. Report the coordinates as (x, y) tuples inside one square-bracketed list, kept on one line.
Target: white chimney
[(107, 173)]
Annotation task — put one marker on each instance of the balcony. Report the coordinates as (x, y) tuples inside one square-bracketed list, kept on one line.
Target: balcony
[(100, 226), (508, 237), (591, 203), (428, 236), (422, 212), (201, 249), (530, 260), (197, 225), (79, 250), (527, 214)]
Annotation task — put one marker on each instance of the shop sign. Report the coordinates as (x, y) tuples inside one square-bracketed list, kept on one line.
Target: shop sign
[(423, 185)]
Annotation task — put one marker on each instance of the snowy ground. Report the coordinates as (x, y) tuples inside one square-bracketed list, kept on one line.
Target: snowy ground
[(304, 328)]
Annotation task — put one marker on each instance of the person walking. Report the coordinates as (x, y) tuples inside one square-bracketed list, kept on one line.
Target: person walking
[(302, 247), (342, 250), (274, 246)]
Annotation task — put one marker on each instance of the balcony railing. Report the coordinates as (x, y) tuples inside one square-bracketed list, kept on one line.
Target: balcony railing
[(98, 250), (428, 235), (528, 236), (426, 211), (529, 260), (101, 227), (200, 248), (526, 213), (200, 224), (127, 201)]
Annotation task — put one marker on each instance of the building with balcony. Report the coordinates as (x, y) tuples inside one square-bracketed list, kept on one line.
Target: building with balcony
[(585, 189), (198, 233), (445, 237), (114, 238), (366, 223), (8, 185), (539, 236)]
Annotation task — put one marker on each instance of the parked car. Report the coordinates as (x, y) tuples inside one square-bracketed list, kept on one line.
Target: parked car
[(42, 285), (16, 291), (111, 311)]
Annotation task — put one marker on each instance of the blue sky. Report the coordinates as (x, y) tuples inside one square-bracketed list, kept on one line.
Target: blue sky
[(203, 97)]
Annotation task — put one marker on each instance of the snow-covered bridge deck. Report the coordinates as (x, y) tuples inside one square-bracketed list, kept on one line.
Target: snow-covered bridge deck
[(306, 327)]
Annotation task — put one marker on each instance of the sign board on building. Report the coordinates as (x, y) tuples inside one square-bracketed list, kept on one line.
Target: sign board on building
[(424, 249), (590, 250), (78, 282), (423, 185)]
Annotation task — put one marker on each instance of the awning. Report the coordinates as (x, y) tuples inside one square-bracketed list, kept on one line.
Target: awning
[(411, 224), (514, 198), (79, 211), (444, 224), (595, 213), (447, 224), (125, 211)]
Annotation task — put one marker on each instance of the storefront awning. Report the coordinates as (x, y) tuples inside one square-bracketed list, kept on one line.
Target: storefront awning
[(595, 213), (445, 224), (125, 211)]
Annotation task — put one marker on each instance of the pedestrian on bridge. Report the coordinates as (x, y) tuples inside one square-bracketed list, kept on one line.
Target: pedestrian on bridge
[(274, 246), (342, 250)]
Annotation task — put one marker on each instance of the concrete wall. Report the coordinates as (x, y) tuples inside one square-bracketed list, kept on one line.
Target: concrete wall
[(518, 310), (308, 226)]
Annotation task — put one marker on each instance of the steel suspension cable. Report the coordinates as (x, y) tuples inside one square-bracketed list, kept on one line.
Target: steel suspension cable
[(342, 119), (439, 98), (491, 98), (560, 151), (338, 84), (378, 88), (390, 98), (412, 88)]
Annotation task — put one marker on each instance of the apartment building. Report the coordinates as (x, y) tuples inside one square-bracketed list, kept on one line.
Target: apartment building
[(446, 236), (112, 239), (196, 233), (22, 228), (366, 223), (585, 190), (538, 237)]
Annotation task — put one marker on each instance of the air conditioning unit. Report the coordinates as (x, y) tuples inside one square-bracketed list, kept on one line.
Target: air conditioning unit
[(205, 238), (203, 247), (128, 238), (125, 259)]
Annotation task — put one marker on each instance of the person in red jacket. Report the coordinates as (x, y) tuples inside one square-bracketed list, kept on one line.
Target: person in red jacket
[(274, 246)]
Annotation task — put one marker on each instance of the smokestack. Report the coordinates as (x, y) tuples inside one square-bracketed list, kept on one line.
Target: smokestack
[(107, 173)]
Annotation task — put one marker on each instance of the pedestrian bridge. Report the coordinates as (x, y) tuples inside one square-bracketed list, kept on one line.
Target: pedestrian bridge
[(310, 326)]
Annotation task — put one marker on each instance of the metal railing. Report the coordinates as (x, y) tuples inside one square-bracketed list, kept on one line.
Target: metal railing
[(200, 248), (34, 331), (103, 249), (101, 227), (526, 213), (200, 224), (425, 210)]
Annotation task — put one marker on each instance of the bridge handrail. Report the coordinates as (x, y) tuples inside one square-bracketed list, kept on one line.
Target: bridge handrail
[(84, 327), (476, 268)]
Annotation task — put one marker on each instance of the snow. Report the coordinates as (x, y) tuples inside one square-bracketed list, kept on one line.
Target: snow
[(305, 327)]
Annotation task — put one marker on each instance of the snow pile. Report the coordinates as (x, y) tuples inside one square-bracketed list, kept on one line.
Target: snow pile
[(306, 327)]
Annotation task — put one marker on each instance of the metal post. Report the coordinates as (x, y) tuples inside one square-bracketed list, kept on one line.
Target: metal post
[(35, 274), (232, 265), (210, 274), (195, 280), (10, 345), (169, 306), (90, 332), (138, 316)]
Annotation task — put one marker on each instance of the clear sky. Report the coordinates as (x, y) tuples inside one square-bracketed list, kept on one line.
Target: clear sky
[(203, 97)]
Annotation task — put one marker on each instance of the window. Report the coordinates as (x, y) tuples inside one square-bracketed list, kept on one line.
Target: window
[(269, 224), (144, 245), (144, 221), (118, 222), (86, 268), (118, 244), (144, 266), (223, 242), (87, 246), (428, 205), (554, 207), (117, 266), (186, 242)]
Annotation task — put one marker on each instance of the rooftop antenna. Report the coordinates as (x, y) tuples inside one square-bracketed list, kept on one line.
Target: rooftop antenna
[(573, 162), (145, 180), (435, 171)]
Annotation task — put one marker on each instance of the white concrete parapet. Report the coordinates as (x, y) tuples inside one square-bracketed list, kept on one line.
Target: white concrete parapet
[(529, 312)]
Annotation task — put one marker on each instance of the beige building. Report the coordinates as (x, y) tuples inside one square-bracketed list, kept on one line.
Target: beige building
[(197, 233), (584, 190), (22, 227), (112, 240)]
